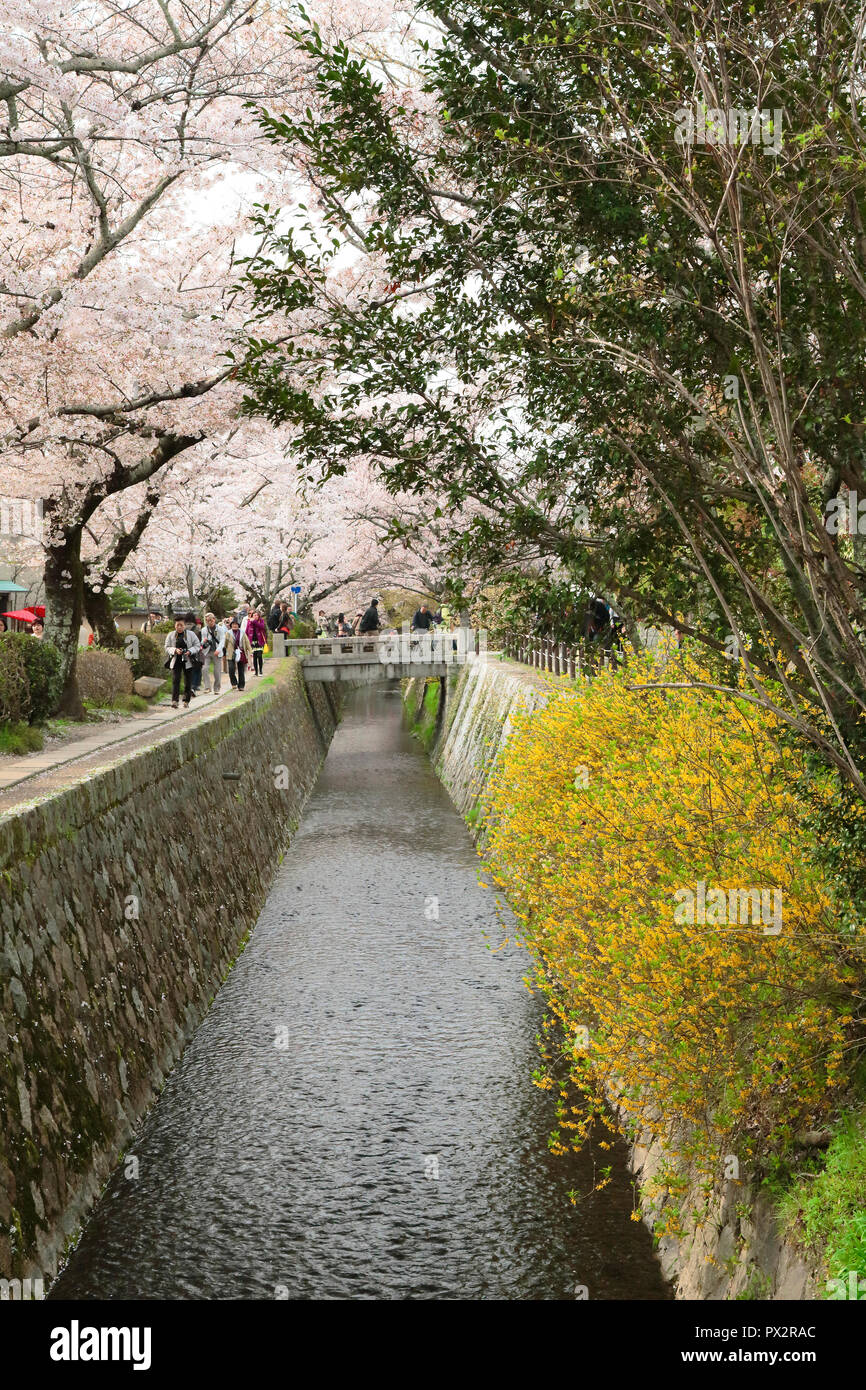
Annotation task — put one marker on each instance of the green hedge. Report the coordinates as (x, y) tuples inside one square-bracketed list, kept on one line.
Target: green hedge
[(151, 656), (14, 683), (41, 661)]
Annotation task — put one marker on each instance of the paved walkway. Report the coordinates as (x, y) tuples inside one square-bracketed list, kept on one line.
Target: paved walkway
[(39, 774)]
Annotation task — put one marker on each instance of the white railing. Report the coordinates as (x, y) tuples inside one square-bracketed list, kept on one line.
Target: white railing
[(390, 648)]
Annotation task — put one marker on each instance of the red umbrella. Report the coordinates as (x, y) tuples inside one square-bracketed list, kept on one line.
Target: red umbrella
[(38, 610), (21, 615)]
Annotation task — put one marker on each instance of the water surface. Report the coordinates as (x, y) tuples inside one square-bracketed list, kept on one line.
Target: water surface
[(368, 1039)]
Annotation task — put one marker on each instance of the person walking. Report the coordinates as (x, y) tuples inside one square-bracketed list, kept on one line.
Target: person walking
[(181, 649), (371, 621), (257, 633), (192, 623), (284, 623), (213, 642), (343, 628), (239, 653)]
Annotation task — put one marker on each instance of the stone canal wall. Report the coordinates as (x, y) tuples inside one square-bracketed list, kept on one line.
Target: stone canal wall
[(117, 926), (736, 1250)]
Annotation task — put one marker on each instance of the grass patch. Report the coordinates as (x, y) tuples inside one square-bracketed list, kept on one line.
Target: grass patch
[(421, 705), (16, 739), (250, 690), (131, 704), (120, 704), (826, 1213)]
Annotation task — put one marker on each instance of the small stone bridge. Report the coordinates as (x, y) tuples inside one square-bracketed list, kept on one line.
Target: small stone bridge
[(385, 656)]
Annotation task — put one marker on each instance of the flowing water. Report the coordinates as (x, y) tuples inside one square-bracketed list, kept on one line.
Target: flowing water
[(355, 1118)]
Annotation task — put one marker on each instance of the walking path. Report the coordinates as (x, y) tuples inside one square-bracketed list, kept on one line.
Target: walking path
[(35, 775)]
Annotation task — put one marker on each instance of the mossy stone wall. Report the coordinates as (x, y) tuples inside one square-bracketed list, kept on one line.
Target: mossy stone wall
[(116, 931)]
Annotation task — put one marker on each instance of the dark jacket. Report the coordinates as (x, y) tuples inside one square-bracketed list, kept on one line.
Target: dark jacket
[(371, 622), (188, 641), (422, 621)]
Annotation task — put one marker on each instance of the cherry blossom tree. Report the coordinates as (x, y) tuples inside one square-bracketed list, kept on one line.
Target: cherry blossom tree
[(254, 523), (129, 162)]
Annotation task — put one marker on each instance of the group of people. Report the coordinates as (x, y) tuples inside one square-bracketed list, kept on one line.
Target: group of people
[(198, 652), (372, 619), (365, 621), (36, 629)]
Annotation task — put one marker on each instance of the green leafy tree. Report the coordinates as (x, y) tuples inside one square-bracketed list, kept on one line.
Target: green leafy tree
[(609, 297)]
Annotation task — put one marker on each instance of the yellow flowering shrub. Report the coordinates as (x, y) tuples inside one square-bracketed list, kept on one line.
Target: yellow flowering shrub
[(641, 838)]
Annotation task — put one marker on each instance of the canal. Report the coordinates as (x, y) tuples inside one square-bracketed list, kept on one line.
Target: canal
[(355, 1118)]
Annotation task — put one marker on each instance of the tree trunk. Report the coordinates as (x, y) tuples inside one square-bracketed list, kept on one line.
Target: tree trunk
[(65, 574), (64, 611), (97, 607)]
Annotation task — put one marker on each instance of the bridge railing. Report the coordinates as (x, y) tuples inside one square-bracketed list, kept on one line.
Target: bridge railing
[(559, 658), (393, 647), (334, 646)]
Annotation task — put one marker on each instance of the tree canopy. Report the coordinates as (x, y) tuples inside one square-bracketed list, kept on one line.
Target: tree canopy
[(608, 268)]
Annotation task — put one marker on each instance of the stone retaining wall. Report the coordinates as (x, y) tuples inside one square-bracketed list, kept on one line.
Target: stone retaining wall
[(116, 931), (736, 1250)]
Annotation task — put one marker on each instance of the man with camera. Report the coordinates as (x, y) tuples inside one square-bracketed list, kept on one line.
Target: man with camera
[(181, 649)]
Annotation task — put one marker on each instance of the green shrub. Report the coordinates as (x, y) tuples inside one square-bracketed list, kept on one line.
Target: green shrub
[(826, 1214), (220, 601), (167, 625), (16, 739), (151, 656), (122, 599), (102, 676), (14, 681), (300, 628), (42, 660), (42, 665)]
